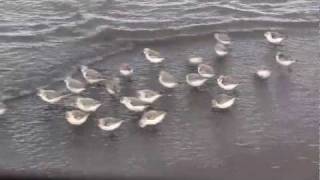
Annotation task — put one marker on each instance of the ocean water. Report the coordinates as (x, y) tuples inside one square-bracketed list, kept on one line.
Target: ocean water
[(270, 133)]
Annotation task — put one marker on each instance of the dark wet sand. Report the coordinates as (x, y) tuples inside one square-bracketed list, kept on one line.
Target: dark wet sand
[(270, 133)]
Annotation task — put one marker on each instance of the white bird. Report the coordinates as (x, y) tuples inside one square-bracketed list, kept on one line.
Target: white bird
[(221, 50), (152, 55), (284, 60), (126, 70), (274, 37), (223, 38), (151, 118), (148, 96), (205, 70), (167, 80), (76, 117), (90, 75), (87, 104), (195, 60), (74, 85), (113, 86), (223, 101), (50, 96), (109, 123), (195, 80), (3, 108), (263, 73), (134, 104), (227, 83)]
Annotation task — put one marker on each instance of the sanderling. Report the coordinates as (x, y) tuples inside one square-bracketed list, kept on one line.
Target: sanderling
[(90, 75), (152, 55), (87, 104), (109, 123), (227, 83), (284, 60), (167, 80), (223, 38), (76, 117), (274, 37), (263, 73), (126, 70), (3, 108), (195, 60), (151, 118), (74, 85), (148, 96), (195, 80), (113, 86), (205, 70), (50, 96), (221, 50), (134, 104), (223, 101)]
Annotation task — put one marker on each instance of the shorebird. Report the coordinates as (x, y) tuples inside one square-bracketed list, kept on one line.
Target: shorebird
[(274, 37), (74, 85), (152, 55), (223, 101), (227, 83), (126, 70), (50, 96), (87, 104), (205, 70), (221, 50), (3, 108), (90, 75), (223, 38), (195, 60), (195, 80), (148, 96), (76, 117), (167, 80), (263, 73), (134, 104), (113, 86), (151, 118), (284, 60), (109, 123)]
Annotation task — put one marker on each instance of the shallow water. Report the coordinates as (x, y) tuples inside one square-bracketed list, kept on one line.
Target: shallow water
[(271, 132)]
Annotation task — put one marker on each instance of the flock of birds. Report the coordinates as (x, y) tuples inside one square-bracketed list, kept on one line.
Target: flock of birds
[(84, 106)]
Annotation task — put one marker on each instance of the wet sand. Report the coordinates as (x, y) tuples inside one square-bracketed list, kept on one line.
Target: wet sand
[(270, 133)]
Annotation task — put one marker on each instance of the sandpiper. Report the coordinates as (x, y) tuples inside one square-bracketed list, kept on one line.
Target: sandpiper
[(223, 101), (113, 86), (205, 70), (126, 70), (134, 104), (50, 96), (284, 60), (227, 83), (3, 108), (148, 96), (87, 104), (195, 80), (151, 118), (195, 60), (223, 38), (152, 55), (74, 85), (221, 50), (76, 117), (90, 75), (167, 80), (274, 37), (263, 73), (109, 123)]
